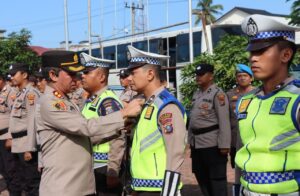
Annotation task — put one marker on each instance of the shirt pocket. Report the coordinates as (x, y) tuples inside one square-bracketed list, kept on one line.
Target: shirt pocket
[(17, 110)]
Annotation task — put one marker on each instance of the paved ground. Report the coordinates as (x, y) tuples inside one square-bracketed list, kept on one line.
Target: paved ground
[(190, 187)]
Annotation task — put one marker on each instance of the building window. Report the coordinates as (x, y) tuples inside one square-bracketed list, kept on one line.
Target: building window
[(142, 45), (182, 48), (197, 36), (219, 32), (110, 53), (122, 55)]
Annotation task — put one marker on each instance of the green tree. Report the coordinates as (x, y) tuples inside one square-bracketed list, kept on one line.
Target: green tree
[(206, 15), (295, 13), (229, 52), (15, 48)]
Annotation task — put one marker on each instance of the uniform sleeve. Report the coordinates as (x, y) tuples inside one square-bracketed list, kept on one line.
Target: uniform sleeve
[(31, 100), (222, 109), (174, 132), (65, 119)]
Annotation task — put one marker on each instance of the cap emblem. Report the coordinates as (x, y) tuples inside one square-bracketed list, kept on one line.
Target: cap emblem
[(251, 28)]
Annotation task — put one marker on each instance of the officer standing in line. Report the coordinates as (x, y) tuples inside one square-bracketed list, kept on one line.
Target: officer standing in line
[(158, 144), (101, 102), (127, 94), (209, 133), (41, 81), (64, 132), (7, 96), (244, 77), (21, 128), (269, 115)]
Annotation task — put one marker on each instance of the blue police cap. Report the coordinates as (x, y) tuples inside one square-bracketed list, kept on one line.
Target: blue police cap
[(241, 68)]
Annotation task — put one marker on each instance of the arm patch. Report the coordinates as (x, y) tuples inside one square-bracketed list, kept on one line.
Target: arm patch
[(108, 106)]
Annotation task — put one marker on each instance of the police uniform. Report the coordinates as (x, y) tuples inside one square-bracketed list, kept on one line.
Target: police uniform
[(127, 94), (21, 128), (102, 103), (7, 97), (64, 134), (209, 131), (158, 144), (269, 123), (78, 97)]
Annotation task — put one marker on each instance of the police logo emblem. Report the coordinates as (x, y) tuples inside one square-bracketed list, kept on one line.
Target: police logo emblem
[(251, 28), (82, 59), (75, 58), (128, 56), (279, 105), (10, 67)]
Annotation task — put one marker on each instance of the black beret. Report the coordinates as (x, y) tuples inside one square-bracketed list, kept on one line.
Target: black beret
[(14, 68), (201, 69)]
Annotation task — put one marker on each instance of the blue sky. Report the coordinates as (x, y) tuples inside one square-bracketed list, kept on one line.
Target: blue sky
[(45, 18)]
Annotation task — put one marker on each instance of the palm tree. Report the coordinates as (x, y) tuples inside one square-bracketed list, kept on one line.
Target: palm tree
[(295, 14), (206, 14)]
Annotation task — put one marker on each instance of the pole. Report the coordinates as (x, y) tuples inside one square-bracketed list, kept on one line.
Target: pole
[(168, 48), (132, 19), (191, 33), (89, 27), (66, 25)]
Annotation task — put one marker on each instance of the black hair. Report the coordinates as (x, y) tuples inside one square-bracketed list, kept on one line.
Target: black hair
[(156, 68), (286, 44), (46, 70)]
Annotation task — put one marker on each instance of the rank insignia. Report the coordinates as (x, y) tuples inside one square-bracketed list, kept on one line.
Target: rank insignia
[(149, 112), (279, 105), (221, 99), (30, 98), (244, 105), (234, 98), (60, 105)]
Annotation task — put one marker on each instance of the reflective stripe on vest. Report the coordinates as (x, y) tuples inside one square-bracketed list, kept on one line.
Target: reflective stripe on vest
[(90, 110), (270, 134), (148, 152)]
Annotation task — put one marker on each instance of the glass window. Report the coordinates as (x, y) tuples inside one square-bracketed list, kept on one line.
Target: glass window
[(219, 32), (142, 45), (110, 53), (182, 48), (96, 52), (122, 55), (197, 43), (154, 45)]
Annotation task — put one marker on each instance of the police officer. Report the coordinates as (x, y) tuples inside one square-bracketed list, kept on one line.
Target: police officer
[(79, 95), (244, 77), (269, 115), (101, 102), (64, 132), (127, 94), (7, 97), (21, 127), (158, 143), (209, 133)]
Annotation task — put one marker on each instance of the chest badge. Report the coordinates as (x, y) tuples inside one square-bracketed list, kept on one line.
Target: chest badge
[(149, 112), (279, 105), (244, 105)]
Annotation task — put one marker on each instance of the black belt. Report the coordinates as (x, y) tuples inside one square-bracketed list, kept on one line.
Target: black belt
[(205, 130), (38, 148), (3, 131), (19, 134)]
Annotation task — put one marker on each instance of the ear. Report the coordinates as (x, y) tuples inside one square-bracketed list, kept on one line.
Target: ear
[(25, 75), (286, 55), (53, 75), (150, 74)]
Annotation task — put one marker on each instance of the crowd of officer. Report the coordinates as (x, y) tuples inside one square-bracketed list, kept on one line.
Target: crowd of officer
[(64, 132)]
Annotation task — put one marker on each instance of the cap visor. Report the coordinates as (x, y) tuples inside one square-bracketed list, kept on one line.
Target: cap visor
[(135, 65), (259, 45)]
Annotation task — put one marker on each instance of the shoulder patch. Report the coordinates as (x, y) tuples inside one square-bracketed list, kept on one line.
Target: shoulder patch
[(30, 98), (221, 99), (109, 105), (60, 105), (279, 105), (244, 105), (149, 112), (166, 123)]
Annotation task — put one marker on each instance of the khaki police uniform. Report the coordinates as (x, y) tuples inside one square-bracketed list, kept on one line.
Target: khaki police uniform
[(7, 97), (78, 97), (65, 144), (127, 95), (209, 131)]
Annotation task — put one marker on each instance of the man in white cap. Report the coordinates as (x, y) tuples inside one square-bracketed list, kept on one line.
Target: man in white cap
[(158, 143), (101, 102), (268, 116)]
